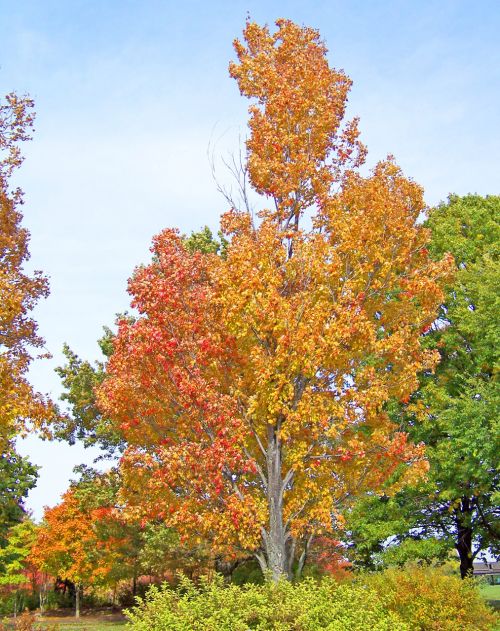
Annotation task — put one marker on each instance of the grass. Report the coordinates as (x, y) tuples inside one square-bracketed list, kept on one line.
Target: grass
[(490, 592), (83, 625), (88, 622)]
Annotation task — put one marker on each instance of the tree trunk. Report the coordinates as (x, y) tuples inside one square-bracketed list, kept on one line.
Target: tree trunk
[(275, 539), (43, 596), (464, 537), (77, 601), (303, 557)]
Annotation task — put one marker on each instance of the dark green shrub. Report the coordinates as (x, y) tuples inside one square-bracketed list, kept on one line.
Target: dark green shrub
[(18, 601), (247, 572)]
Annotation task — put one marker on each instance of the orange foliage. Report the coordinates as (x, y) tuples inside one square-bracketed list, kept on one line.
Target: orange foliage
[(252, 387), (297, 147), (429, 600), (65, 545), (18, 291), (84, 544), (327, 555)]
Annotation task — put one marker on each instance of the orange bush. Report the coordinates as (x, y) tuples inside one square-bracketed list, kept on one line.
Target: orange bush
[(429, 600)]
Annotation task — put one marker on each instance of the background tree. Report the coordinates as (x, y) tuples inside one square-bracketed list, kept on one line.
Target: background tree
[(17, 477), (19, 291), (14, 560), (380, 532), (84, 421), (456, 411), (118, 539), (461, 412), (65, 545), (251, 389), (129, 545)]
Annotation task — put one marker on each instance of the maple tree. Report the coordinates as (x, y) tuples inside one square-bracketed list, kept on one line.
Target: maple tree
[(252, 387), (19, 291), (65, 544), (86, 539)]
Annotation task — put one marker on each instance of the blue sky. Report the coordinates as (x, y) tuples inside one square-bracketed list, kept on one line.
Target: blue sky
[(130, 95)]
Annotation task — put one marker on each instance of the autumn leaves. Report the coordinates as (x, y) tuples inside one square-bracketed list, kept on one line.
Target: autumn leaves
[(251, 389)]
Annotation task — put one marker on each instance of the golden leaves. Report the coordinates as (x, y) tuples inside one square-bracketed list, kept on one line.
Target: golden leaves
[(18, 292), (296, 339), (295, 129)]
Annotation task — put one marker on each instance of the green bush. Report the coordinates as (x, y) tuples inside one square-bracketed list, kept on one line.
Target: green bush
[(17, 601), (410, 599), (306, 606), (248, 572)]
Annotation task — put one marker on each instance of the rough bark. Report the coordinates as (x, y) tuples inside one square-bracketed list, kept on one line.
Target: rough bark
[(275, 539)]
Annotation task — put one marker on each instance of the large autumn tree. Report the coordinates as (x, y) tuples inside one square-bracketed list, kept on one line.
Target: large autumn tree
[(251, 389)]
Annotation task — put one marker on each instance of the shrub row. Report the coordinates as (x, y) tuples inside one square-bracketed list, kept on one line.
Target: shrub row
[(396, 600)]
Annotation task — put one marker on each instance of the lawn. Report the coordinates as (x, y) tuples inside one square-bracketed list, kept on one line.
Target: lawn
[(490, 592), (98, 622), (86, 624)]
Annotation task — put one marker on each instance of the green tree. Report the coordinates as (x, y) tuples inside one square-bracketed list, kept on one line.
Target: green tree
[(462, 401), (14, 563), (456, 411), (204, 241), (17, 477), (84, 421), (118, 539)]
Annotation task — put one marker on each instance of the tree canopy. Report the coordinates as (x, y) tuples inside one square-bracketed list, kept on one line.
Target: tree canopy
[(252, 388)]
